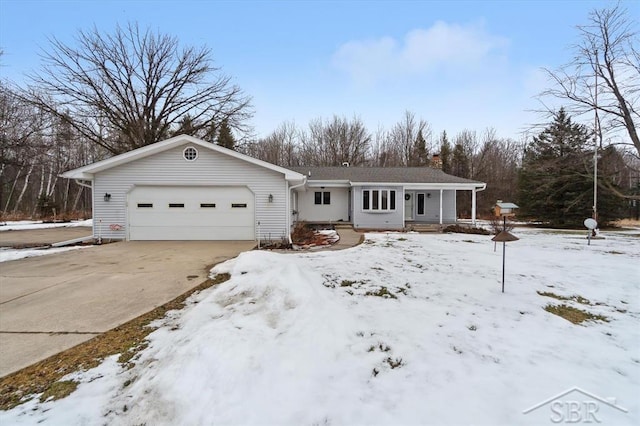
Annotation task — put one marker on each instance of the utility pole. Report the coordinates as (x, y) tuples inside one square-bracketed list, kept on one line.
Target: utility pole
[(596, 131)]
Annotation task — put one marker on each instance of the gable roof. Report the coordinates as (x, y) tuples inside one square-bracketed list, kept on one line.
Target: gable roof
[(406, 175), (87, 172)]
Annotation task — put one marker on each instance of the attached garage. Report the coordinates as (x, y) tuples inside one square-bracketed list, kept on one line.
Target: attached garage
[(184, 188), (191, 213)]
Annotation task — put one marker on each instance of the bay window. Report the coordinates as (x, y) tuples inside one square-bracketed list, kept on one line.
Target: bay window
[(378, 200)]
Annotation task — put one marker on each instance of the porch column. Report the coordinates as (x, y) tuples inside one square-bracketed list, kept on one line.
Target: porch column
[(473, 207), (441, 207)]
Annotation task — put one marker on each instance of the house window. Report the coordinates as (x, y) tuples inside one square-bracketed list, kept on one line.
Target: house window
[(207, 205), (379, 199), (239, 205), (322, 197), (176, 205), (145, 205), (420, 204), (190, 153)]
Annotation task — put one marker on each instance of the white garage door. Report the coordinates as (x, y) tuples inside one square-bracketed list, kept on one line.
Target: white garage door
[(191, 213)]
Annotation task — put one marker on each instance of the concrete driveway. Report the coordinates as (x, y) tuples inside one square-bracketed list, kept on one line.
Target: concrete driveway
[(54, 302)]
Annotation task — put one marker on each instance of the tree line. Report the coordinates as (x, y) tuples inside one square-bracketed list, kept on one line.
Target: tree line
[(105, 94)]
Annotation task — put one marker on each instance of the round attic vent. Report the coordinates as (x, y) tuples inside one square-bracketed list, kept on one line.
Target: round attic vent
[(190, 153)]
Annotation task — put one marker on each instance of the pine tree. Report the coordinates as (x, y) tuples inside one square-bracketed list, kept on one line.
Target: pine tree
[(460, 162), (420, 154), (445, 153), (556, 180), (225, 137)]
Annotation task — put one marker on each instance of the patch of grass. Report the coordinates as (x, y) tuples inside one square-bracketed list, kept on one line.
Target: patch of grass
[(402, 239), (460, 229), (472, 328), (394, 363), (127, 339), (382, 347), (574, 315), (59, 390), (575, 298), (347, 283), (614, 252), (382, 292)]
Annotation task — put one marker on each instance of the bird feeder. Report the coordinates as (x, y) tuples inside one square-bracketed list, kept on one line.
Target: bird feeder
[(504, 209)]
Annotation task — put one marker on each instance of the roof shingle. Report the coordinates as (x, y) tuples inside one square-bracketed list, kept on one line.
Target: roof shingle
[(381, 174)]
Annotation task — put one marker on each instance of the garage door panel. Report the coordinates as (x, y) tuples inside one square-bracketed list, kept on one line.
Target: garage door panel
[(192, 221)]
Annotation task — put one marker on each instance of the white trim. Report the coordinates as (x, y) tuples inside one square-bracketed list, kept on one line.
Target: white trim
[(441, 205), (426, 185), (88, 171), (329, 184)]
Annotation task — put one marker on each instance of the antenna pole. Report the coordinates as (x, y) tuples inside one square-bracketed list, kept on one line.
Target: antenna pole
[(596, 130)]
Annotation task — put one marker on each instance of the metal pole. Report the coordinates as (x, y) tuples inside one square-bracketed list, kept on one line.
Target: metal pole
[(595, 151), (504, 249)]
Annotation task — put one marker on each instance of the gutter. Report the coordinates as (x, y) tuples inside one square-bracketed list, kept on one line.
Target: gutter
[(304, 182), (79, 182)]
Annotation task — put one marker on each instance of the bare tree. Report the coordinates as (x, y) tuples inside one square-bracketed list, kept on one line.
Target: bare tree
[(280, 147), (334, 142), (404, 135), (607, 52), (131, 88)]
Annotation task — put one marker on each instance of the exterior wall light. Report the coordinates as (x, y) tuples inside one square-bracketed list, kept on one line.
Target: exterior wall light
[(271, 198), (107, 196)]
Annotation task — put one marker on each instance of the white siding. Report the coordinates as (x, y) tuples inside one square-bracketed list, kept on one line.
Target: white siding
[(170, 168), (337, 210), (377, 220)]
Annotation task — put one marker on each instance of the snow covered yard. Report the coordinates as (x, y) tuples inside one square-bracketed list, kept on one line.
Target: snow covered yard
[(21, 225), (403, 329), (7, 254)]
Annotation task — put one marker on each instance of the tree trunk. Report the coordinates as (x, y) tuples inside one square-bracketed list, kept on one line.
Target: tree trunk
[(13, 188), (24, 189)]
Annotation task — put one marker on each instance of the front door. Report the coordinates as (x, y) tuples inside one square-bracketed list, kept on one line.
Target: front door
[(408, 205)]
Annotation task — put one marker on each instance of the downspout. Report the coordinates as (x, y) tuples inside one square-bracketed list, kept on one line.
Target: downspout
[(304, 182), (474, 210)]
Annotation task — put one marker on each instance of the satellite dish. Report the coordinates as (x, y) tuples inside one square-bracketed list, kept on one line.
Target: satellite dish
[(590, 223)]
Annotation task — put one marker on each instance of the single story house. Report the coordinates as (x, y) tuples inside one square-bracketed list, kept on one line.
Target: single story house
[(184, 188)]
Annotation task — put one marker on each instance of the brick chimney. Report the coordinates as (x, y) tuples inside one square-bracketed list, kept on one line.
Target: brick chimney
[(436, 162)]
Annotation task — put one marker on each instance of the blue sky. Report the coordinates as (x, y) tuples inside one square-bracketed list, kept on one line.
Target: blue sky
[(456, 64)]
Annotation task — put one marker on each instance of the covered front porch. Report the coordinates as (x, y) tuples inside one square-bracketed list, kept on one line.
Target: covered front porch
[(435, 205)]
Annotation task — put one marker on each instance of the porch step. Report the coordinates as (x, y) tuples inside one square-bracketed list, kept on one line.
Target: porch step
[(425, 227), (343, 225)]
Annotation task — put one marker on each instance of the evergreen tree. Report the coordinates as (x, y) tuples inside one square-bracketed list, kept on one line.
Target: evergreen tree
[(445, 153), (460, 161), (225, 137), (556, 180), (420, 154)]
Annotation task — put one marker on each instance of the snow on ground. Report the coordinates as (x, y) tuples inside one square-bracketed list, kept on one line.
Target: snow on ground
[(20, 225), (403, 329), (7, 254)]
